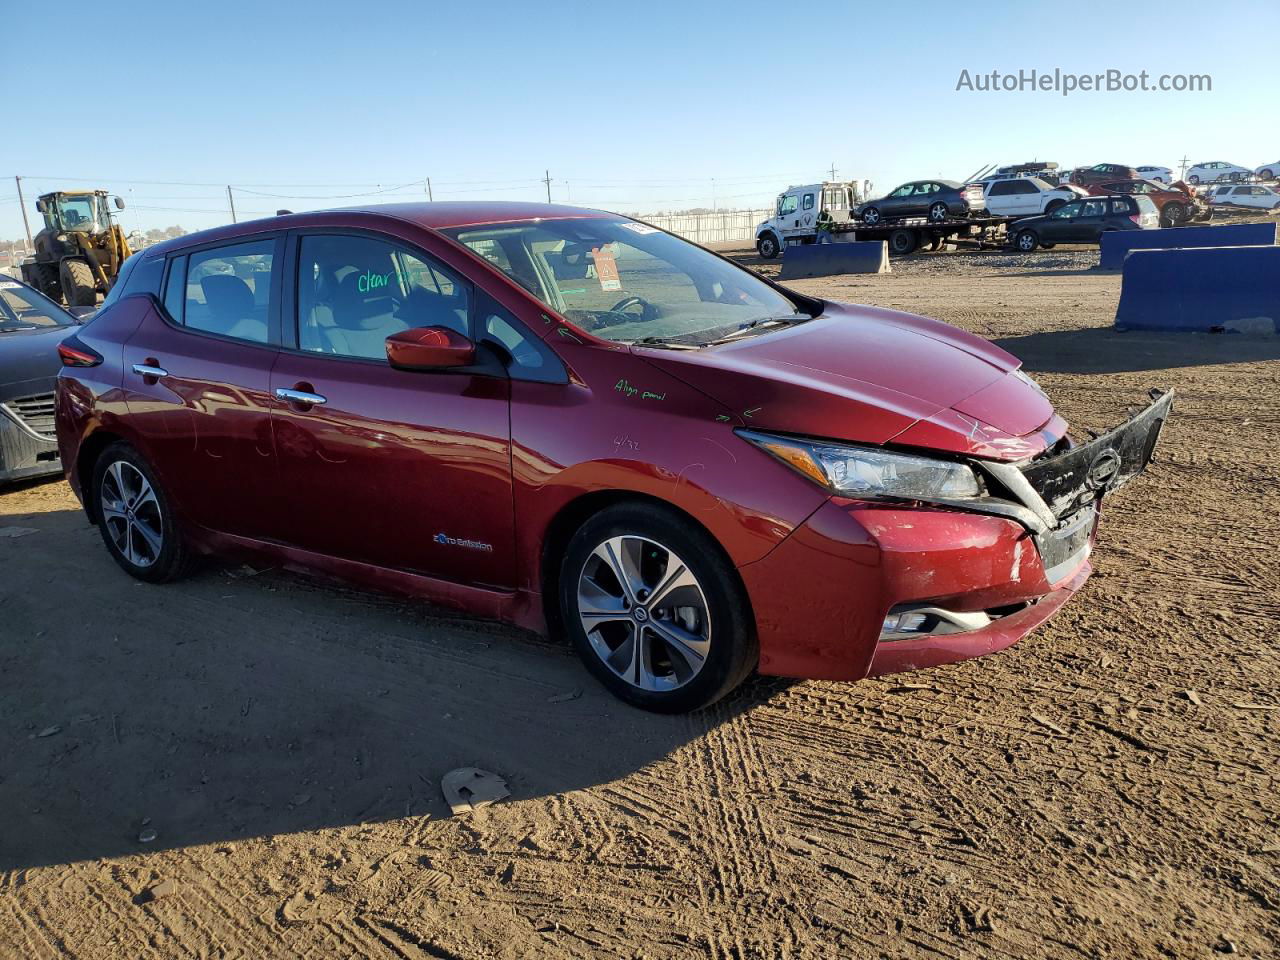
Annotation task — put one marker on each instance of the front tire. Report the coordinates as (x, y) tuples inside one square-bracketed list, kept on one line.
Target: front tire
[(655, 610), (768, 246), (1175, 215), (78, 285), (871, 216), (135, 517), (902, 242), (938, 212), (1025, 241)]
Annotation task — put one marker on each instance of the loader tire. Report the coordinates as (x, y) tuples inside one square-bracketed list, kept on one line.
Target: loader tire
[(78, 285)]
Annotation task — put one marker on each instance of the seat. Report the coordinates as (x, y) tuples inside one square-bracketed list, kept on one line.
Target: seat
[(231, 308)]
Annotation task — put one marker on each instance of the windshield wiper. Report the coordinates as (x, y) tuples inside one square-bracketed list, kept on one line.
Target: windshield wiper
[(747, 329), (666, 343)]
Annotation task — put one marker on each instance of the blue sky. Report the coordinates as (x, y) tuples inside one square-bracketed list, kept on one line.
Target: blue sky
[(634, 107)]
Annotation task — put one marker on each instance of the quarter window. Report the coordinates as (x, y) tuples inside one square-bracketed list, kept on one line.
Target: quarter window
[(354, 292), (175, 290), (808, 201), (227, 290)]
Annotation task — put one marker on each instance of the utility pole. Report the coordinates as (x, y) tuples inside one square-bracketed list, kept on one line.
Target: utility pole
[(714, 207), (1182, 170), (23, 205), (547, 181), (833, 171), (231, 200), (430, 198)]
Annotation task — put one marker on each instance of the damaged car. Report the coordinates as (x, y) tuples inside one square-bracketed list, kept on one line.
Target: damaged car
[(581, 424), (31, 326)]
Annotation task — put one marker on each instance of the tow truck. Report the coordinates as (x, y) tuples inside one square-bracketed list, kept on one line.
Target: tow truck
[(795, 221)]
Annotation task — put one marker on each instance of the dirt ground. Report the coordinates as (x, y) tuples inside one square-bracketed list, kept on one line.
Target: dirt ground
[(1106, 788)]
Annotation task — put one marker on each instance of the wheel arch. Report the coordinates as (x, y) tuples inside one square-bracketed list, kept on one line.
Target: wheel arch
[(87, 455), (573, 514)]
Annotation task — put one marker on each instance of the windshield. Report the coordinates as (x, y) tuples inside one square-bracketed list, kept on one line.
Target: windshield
[(627, 282), (80, 213), (21, 308)]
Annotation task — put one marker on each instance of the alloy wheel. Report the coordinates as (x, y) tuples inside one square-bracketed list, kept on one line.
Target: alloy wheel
[(644, 613), (871, 216), (131, 514), (938, 212)]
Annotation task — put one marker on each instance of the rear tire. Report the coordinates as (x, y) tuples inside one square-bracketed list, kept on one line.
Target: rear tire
[(1174, 215), (78, 285), (1026, 241), (1267, 174), (697, 641), (1054, 205), (768, 246), (135, 517), (902, 242)]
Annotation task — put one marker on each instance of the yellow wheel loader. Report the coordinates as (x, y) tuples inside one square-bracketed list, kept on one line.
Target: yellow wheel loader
[(80, 250)]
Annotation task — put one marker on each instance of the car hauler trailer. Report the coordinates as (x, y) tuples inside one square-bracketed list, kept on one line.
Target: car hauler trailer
[(796, 213)]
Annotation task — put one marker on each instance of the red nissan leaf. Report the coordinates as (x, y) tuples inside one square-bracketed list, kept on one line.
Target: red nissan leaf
[(581, 424)]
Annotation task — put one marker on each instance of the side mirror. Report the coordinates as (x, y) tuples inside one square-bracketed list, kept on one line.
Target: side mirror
[(119, 203), (39, 206), (429, 348)]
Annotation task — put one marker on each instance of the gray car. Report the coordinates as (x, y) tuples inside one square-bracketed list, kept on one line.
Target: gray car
[(936, 200), (31, 327)]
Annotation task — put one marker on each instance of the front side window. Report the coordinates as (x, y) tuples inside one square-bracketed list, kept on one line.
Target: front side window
[(22, 308), (627, 282), (787, 205), (1067, 211), (904, 191), (354, 292), (227, 290)]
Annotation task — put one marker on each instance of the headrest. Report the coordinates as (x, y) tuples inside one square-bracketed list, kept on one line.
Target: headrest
[(227, 295)]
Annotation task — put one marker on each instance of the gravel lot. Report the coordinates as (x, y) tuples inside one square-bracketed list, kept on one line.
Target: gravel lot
[(1106, 788)]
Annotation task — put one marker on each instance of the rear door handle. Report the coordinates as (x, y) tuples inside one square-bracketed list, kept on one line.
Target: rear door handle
[(150, 370), (300, 397)]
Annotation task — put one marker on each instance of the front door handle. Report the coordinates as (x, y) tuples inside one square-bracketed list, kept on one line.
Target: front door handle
[(150, 371), (300, 397)]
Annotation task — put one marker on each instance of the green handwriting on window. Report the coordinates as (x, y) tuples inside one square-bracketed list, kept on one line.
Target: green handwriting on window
[(372, 281)]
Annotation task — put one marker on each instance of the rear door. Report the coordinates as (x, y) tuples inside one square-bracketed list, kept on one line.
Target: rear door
[(1087, 227), (409, 470), (197, 382)]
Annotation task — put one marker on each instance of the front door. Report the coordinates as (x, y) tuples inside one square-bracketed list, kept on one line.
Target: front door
[(406, 470), (196, 380)]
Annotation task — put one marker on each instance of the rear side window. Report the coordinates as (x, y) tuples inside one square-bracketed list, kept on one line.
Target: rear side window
[(1094, 208), (354, 292), (808, 201), (1120, 206), (227, 290)]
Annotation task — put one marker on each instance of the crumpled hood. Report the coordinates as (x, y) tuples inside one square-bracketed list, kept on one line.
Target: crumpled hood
[(870, 375), (29, 360)]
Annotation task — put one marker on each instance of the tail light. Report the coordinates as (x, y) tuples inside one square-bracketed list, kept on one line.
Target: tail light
[(73, 353)]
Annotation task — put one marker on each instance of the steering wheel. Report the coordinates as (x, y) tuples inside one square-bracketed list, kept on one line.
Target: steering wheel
[(647, 309)]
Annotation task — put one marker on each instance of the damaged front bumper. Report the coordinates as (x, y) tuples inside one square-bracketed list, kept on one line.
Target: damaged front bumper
[(866, 587)]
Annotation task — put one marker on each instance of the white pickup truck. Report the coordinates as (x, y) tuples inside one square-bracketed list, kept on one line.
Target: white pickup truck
[(1026, 197), (795, 215)]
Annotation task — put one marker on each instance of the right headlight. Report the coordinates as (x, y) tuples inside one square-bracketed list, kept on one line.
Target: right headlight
[(869, 471)]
